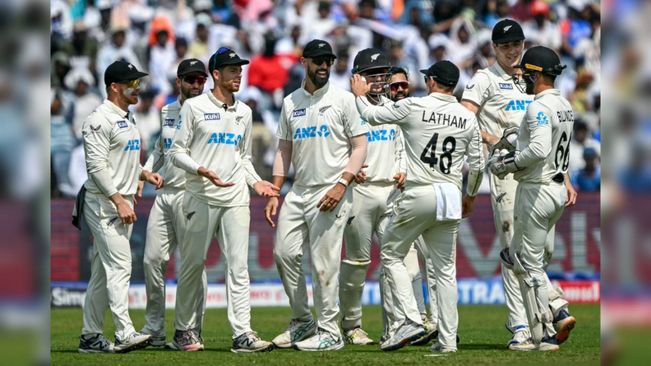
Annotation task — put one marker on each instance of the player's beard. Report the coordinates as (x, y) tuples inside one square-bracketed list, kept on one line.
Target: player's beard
[(318, 81), (131, 95), (191, 92), (400, 95)]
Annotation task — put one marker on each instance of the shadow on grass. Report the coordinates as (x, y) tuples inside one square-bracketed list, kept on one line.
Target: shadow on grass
[(482, 346)]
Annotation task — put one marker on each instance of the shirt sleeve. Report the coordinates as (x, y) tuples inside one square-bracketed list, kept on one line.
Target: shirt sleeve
[(96, 134), (478, 89), (540, 138), (284, 130), (383, 114), (475, 161), (245, 153), (400, 151), (353, 122), (182, 138)]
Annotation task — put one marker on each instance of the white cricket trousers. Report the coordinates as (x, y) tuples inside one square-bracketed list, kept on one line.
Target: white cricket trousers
[(503, 201), (110, 269), (165, 229), (414, 215), (537, 209), (369, 215), (231, 226), (301, 221)]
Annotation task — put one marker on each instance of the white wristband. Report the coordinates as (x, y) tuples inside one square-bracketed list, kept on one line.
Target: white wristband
[(343, 181)]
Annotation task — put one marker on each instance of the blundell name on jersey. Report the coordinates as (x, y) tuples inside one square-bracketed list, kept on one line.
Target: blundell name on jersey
[(565, 116), (445, 119)]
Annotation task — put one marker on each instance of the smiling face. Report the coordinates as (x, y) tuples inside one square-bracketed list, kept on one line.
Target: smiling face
[(377, 79), (318, 69), (508, 53), (398, 87)]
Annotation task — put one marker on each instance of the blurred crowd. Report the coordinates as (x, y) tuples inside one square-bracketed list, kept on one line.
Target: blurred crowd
[(155, 35)]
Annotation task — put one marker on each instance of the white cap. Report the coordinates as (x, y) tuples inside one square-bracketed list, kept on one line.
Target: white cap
[(76, 75), (437, 40)]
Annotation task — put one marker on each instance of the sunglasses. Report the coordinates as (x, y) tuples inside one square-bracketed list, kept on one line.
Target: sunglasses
[(399, 84), (195, 78), (321, 59), (134, 84)]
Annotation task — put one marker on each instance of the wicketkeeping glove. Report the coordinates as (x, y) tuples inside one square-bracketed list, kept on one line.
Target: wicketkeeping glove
[(502, 163), (508, 140)]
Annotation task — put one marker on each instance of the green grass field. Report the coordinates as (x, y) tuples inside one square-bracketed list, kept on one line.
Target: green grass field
[(481, 328)]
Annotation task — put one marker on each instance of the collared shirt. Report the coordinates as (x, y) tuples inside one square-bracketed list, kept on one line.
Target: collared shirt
[(544, 138), (159, 160), (439, 133), (384, 152), (112, 151), (217, 137), (501, 104), (320, 127)]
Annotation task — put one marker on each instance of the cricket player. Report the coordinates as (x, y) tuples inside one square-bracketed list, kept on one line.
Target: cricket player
[(166, 220), (438, 134), (213, 147), (372, 195), (539, 164), (112, 152), (398, 90), (321, 134), (500, 106)]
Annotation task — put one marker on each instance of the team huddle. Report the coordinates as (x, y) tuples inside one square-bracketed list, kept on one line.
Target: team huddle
[(372, 162)]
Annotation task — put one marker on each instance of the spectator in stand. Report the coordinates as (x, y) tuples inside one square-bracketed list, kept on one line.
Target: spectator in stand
[(588, 179), (116, 49), (541, 30), (148, 118), (580, 141), (340, 75), (161, 59), (80, 102), (199, 46), (269, 71), (61, 144)]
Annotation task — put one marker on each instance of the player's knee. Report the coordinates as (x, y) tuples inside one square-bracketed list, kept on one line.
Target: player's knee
[(285, 255)]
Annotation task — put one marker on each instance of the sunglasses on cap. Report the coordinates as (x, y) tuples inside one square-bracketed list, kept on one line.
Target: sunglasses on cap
[(321, 59), (195, 78), (132, 83), (399, 84)]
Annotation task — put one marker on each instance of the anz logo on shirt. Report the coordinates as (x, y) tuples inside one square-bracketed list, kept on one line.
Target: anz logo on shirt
[(303, 133), (132, 145), (167, 143), (225, 138), (381, 135), (517, 105)]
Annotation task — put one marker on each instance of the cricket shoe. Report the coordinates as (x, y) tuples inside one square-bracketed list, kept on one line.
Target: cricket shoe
[(250, 342), (358, 337), (563, 324), (548, 344), (521, 340), (95, 343), (296, 332), (438, 348), (406, 333), (321, 341), (430, 333), (186, 340), (132, 342)]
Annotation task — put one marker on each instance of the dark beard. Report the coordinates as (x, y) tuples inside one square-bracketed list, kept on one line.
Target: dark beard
[(529, 88), (399, 96), (318, 82)]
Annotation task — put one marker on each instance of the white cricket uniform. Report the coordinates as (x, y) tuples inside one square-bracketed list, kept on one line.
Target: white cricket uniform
[(112, 152), (320, 127), (542, 158), (501, 105), (166, 223), (369, 215), (218, 138), (438, 134)]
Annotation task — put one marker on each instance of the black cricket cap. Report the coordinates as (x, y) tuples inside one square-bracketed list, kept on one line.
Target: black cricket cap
[(444, 72), (189, 66), (370, 58), (541, 59), (507, 30), (224, 56), (120, 72), (316, 48)]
